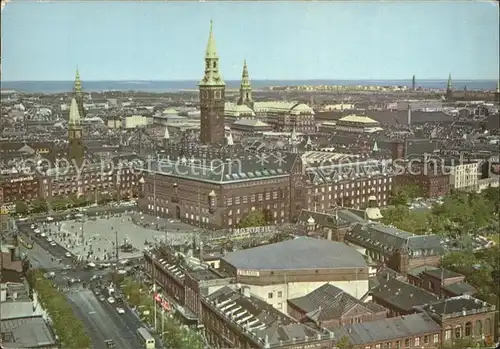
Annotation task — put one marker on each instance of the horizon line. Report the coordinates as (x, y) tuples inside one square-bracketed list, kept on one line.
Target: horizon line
[(256, 79)]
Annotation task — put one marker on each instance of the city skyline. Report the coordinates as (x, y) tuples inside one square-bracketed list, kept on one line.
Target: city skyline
[(280, 41)]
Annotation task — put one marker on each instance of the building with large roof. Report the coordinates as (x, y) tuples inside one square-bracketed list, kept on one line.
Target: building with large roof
[(291, 269), (353, 124), (282, 116)]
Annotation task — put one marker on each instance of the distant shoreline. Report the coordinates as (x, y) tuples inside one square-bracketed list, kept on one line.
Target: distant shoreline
[(192, 85)]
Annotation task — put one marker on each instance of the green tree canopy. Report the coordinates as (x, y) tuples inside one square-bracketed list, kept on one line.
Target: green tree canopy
[(344, 343), (21, 207), (253, 219), (67, 326), (39, 206), (413, 221), (60, 203)]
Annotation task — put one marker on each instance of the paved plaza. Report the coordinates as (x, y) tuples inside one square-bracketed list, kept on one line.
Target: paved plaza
[(94, 240)]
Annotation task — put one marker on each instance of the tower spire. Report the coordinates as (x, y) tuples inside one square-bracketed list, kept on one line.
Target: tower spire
[(78, 93), (245, 87), (77, 88), (212, 75), (212, 97), (74, 114), (449, 89), (211, 51)]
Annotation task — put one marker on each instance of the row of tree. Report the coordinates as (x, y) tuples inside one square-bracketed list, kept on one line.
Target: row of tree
[(68, 328), (60, 203), (175, 335)]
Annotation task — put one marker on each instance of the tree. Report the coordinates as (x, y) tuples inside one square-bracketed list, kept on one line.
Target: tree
[(402, 194), (403, 218), (60, 203), (344, 343), (68, 328), (39, 206), (253, 219), (21, 207)]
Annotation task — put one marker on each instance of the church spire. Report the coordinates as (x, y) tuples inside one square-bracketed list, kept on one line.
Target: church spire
[(212, 75), (449, 89), (74, 114), (78, 93), (77, 89), (211, 51), (245, 87)]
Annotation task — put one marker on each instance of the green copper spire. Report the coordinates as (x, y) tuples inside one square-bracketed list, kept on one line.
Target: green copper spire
[(77, 89), (211, 51), (245, 87), (212, 75), (245, 81)]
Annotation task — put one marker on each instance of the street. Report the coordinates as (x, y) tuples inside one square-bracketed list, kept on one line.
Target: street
[(103, 322), (101, 319)]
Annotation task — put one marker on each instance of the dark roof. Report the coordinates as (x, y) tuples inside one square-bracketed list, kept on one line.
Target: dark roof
[(442, 273), (261, 320), (402, 295), (460, 288), (245, 168), (456, 305), (329, 302), (331, 219), (13, 276), (299, 253), (390, 238), (388, 329)]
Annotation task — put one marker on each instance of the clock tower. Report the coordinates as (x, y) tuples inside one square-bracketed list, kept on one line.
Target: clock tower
[(76, 150), (212, 98)]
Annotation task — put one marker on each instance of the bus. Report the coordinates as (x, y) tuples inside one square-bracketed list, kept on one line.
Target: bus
[(146, 338)]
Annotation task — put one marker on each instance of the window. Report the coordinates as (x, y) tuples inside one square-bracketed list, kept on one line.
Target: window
[(417, 341), (468, 329), (458, 332), (426, 339), (407, 343), (447, 335), (280, 294), (436, 338), (270, 295)]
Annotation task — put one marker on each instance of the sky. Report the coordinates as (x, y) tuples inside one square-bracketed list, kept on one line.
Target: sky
[(280, 40)]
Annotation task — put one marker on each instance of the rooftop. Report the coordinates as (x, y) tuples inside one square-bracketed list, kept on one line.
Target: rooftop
[(259, 319), (361, 119), (299, 253), (442, 274), (388, 329), (30, 332), (402, 295), (329, 302), (245, 168), (459, 304)]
